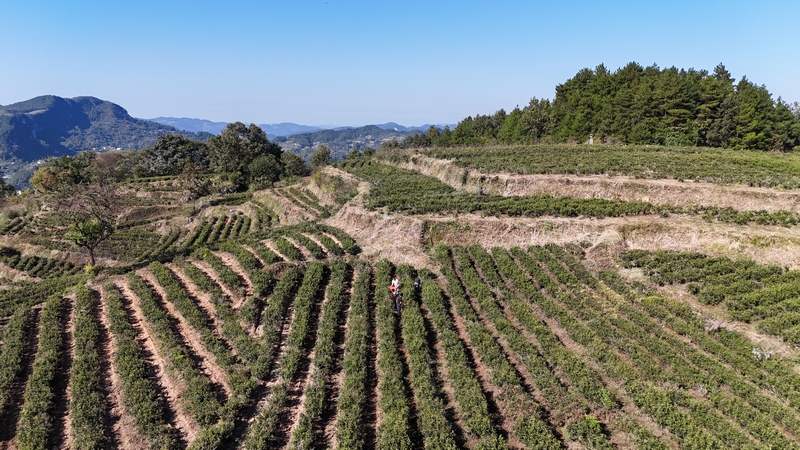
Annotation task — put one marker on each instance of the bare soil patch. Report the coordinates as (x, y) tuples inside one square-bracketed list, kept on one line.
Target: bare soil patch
[(236, 299), (60, 435), (396, 238), (169, 388), (307, 256), (13, 275), (203, 301), (324, 428), (271, 245), (233, 264), (120, 426), (498, 410), (295, 399), (206, 361)]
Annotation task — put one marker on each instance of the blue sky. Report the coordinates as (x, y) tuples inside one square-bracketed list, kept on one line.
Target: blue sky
[(353, 62)]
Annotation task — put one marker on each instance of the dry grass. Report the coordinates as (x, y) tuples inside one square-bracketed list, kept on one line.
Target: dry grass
[(657, 192)]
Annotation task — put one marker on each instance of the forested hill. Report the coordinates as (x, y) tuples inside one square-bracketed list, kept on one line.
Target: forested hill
[(54, 126), (340, 141), (640, 105)]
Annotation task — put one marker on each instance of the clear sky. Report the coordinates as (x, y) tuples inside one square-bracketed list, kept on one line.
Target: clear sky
[(355, 62)]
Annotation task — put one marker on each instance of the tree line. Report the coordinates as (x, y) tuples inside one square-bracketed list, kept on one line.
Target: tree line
[(638, 105)]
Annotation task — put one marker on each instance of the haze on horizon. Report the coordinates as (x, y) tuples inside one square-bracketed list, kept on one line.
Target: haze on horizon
[(340, 62)]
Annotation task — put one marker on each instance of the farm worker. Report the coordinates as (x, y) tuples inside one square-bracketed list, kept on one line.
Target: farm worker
[(416, 283), (395, 285), (398, 302)]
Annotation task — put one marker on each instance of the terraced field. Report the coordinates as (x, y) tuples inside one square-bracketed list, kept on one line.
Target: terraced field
[(247, 328)]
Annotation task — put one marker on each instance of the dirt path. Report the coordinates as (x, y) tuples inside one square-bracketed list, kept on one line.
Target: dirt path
[(120, 425), (441, 373), (298, 405), (295, 399), (190, 337), (236, 300), (271, 245), (261, 396), (316, 240), (233, 263), (255, 255), (10, 413), (307, 256), (373, 394), (499, 410), (170, 388), (203, 301), (61, 434), (334, 239), (324, 429), (513, 358)]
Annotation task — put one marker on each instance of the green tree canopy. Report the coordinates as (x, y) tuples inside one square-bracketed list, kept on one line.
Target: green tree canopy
[(264, 169), (57, 173), (171, 153), (6, 190), (236, 147), (321, 157), (639, 105), (294, 165)]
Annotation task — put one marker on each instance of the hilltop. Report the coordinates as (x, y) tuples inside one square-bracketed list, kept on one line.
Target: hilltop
[(54, 126)]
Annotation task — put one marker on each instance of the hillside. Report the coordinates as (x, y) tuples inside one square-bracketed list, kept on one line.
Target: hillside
[(340, 141), (196, 125), (648, 306), (54, 126)]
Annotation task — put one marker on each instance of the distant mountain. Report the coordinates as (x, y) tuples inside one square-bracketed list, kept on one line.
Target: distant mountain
[(287, 129), (272, 130), (398, 127), (194, 125), (340, 141), (53, 126)]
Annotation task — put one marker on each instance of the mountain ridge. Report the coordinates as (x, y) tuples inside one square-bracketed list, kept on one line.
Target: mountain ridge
[(280, 129), (49, 125)]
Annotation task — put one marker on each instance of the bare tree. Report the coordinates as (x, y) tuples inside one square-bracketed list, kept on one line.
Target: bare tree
[(90, 211)]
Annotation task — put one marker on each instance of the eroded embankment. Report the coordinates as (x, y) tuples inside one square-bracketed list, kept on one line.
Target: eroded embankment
[(658, 192)]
